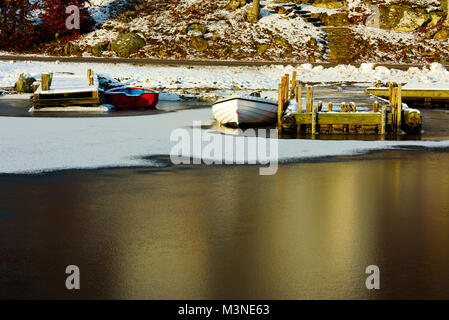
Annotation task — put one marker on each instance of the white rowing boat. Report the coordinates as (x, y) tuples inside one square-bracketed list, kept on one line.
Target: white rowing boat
[(241, 110)]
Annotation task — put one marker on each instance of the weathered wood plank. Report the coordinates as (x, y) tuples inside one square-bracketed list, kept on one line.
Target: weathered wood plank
[(383, 127), (280, 101), (340, 118), (411, 93), (309, 99), (399, 108), (314, 120)]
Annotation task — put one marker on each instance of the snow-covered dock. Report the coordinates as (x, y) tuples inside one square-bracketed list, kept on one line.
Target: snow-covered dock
[(392, 119), (428, 96), (63, 90)]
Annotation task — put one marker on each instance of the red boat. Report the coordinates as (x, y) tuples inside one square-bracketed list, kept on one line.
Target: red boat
[(132, 98)]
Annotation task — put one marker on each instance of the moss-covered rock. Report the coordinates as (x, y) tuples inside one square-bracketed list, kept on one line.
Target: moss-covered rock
[(412, 19), (25, 84), (329, 4), (127, 44), (404, 18), (336, 20), (235, 4), (197, 27), (71, 49), (261, 48), (199, 43), (98, 49), (442, 34)]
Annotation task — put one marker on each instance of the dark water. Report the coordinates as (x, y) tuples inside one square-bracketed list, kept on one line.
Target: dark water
[(308, 232)]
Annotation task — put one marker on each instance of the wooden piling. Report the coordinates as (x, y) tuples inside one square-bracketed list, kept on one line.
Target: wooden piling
[(45, 81), (390, 91), (286, 88), (309, 99), (352, 107), (280, 102), (376, 106), (90, 77), (320, 106), (329, 107), (299, 95), (399, 108), (383, 128), (314, 120), (293, 89)]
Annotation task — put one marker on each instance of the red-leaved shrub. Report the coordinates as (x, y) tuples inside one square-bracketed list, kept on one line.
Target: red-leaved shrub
[(54, 17), (17, 30)]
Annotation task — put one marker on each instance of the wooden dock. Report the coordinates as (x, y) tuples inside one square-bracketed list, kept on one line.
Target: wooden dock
[(67, 90), (386, 119), (417, 96)]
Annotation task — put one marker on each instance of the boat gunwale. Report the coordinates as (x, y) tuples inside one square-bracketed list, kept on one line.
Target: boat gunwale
[(266, 101)]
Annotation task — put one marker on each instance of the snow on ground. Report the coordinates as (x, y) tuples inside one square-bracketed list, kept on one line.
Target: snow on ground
[(31, 145), (251, 78)]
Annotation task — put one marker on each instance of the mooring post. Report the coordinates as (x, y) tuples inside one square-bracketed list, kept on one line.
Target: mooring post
[(45, 81), (90, 77), (352, 107), (299, 95), (376, 107), (314, 119), (343, 107), (309, 99), (293, 90), (390, 91), (280, 102), (383, 128), (393, 100), (399, 108), (329, 107), (287, 87)]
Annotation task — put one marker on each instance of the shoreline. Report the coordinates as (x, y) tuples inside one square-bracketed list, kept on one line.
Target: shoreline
[(166, 164)]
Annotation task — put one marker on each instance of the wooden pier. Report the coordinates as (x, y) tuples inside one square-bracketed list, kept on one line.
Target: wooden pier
[(64, 91), (416, 96), (385, 119)]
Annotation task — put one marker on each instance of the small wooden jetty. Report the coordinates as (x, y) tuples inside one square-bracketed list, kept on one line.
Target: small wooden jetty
[(393, 118), (425, 97), (67, 90)]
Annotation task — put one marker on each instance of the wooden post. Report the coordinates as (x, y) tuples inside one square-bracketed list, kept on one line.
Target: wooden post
[(309, 99), (329, 107), (254, 12), (299, 95), (282, 89), (376, 106), (390, 91), (314, 120), (343, 107), (287, 85), (393, 102), (45, 81), (90, 77), (293, 90), (383, 128), (320, 106), (352, 107), (280, 102), (399, 108)]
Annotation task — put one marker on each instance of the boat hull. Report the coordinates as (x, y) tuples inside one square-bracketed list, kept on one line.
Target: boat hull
[(242, 111), (132, 98)]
